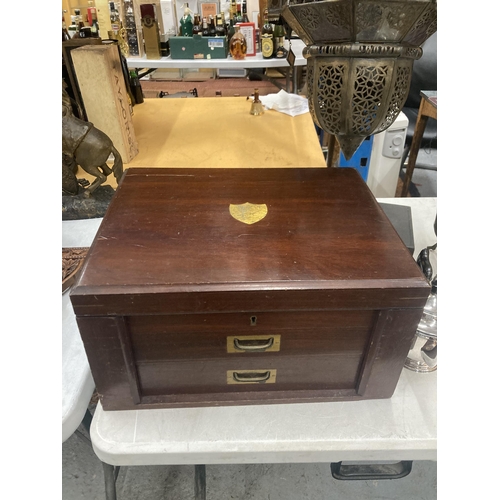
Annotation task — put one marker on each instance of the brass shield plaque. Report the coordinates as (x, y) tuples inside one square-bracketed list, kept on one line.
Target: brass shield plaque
[(248, 213)]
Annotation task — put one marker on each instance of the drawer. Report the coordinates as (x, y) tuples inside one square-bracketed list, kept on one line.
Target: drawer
[(249, 374), (358, 359), (201, 336)]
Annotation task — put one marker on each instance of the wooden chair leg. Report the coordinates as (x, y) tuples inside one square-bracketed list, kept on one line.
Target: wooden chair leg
[(415, 146)]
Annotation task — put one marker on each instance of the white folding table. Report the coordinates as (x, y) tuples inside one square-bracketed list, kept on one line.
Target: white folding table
[(400, 428), (77, 382)]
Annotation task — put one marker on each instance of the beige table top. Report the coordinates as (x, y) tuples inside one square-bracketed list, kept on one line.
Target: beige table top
[(220, 132)]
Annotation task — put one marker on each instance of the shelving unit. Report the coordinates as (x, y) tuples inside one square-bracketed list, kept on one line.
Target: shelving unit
[(251, 62)]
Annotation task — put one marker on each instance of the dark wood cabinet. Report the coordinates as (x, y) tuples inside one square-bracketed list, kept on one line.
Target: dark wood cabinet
[(245, 286)]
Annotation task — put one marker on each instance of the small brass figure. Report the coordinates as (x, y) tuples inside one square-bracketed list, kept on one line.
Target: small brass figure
[(89, 147), (257, 108)]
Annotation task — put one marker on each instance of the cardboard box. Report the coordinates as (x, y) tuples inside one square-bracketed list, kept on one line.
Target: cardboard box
[(169, 16), (104, 92), (198, 47)]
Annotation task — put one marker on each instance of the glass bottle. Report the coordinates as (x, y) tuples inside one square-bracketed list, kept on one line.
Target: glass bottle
[(80, 25), (114, 18), (239, 17), (91, 12), (94, 28), (266, 38), (211, 26), (65, 34), (257, 41), (279, 40), (73, 28), (244, 14), (135, 87), (233, 11), (230, 29), (204, 27), (238, 45), (186, 22), (197, 28), (220, 29), (90, 8)]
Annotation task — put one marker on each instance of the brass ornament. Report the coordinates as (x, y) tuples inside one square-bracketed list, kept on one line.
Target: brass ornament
[(85, 145), (360, 56), (257, 109), (248, 213), (72, 261)]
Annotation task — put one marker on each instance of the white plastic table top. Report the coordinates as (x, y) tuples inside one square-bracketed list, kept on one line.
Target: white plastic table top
[(77, 382), (256, 61), (400, 428)]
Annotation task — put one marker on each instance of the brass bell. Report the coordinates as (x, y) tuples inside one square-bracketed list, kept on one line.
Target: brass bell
[(257, 108)]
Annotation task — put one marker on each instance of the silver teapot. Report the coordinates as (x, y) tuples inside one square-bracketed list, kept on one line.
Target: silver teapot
[(422, 356)]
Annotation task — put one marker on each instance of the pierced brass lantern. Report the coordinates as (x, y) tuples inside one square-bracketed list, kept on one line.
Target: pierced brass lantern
[(360, 57)]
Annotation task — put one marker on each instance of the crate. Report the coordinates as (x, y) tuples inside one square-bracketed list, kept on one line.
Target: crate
[(198, 47), (198, 74), (232, 73)]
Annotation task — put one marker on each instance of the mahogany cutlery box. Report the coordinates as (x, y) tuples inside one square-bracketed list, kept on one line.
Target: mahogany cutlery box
[(214, 286)]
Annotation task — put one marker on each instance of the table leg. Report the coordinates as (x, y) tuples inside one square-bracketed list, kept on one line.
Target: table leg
[(110, 473), (200, 482), (295, 78), (87, 420), (415, 146)]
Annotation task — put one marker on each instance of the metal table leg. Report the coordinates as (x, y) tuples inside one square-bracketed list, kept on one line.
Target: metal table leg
[(110, 475), (200, 482)]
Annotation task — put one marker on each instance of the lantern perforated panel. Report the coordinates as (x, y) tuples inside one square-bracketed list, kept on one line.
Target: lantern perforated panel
[(353, 97), (360, 57)]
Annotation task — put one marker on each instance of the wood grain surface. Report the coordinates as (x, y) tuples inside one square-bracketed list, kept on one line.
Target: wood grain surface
[(172, 275)]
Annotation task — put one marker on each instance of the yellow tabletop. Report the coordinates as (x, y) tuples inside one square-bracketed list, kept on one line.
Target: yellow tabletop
[(220, 132)]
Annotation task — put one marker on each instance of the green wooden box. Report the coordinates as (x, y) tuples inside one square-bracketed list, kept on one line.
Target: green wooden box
[(198, 47)]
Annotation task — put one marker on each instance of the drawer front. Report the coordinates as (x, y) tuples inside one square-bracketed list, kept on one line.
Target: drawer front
[(360, 359), (170, 337), (249, 374)]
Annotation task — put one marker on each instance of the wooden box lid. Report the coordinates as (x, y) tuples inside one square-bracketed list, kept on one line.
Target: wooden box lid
[(178, 240)]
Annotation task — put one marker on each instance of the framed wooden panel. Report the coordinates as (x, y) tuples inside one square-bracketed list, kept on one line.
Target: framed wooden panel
[(208, 8)]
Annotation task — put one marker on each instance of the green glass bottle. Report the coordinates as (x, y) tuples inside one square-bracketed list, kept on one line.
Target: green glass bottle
[(135, 87), (266, 38), (244, 14), (279, 40)]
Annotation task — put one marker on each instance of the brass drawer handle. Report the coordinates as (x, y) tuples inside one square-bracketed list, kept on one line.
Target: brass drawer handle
[(253, 344), (251, 376)]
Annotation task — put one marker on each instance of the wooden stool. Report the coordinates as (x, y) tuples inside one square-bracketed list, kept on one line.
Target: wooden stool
[(428, 108)]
